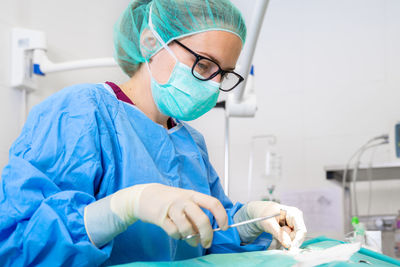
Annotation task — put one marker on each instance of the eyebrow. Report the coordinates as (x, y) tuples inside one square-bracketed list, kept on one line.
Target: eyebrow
[(216, 60)]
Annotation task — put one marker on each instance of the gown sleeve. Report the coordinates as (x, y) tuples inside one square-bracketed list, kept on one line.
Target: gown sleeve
[(55, 169), (227, 241)]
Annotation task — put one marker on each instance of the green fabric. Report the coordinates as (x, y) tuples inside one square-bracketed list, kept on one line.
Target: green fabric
[(248, 259), (172, 19), (273, 258)]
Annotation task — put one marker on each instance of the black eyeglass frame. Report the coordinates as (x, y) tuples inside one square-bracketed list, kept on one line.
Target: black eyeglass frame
[(219, 71)]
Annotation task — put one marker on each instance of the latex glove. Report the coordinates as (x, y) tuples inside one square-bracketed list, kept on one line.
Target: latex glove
[(177, 211), (289, 229)]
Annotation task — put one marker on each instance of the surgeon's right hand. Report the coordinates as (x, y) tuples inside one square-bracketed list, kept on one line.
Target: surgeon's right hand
[(177, 211)]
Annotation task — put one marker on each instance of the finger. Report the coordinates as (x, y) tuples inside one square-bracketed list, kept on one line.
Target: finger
[(290, 232), (300, 232), (292, 235), (271, 226), (295, 220), (202, 223), (214, 206), (287, 229), (299, 238), (282, 217), (170, 228), (193, 241), (185, 228)]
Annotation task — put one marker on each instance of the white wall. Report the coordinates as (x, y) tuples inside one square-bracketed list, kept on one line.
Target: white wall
[(326, 79), (75, 30), (10, 108)]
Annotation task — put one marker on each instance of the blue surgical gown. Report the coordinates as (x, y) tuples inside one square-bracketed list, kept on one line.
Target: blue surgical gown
[(83, 144)]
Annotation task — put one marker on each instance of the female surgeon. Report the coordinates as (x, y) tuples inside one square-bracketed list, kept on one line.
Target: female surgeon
[(107, 174)]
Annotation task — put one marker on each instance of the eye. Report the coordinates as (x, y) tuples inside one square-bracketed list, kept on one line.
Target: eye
[(203, 66)]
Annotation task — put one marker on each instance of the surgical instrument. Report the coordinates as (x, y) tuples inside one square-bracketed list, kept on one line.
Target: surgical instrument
[(239, 224)]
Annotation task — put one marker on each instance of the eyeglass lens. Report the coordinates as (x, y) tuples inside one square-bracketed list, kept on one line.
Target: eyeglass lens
[(205, 69)]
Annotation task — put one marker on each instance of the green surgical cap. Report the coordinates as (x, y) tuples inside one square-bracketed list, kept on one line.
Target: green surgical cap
[(172, 19)]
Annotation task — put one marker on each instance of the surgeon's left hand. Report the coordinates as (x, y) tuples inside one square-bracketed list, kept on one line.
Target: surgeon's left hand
[(289, 229)]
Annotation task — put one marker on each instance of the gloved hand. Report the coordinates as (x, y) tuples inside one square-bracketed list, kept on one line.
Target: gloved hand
[(289, 229), (177, 211)]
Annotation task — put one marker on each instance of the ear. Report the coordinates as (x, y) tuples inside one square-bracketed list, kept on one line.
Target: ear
[(148, 43)]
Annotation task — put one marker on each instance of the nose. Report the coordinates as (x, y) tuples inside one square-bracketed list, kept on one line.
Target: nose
[(217, 78)]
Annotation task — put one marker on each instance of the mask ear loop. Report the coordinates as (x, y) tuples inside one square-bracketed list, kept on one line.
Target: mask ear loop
[(158, 37)]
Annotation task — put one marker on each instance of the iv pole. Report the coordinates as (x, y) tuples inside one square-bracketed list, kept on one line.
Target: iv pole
[(245, 62)]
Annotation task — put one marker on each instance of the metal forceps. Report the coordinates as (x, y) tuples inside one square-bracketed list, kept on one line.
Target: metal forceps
[(238, 224)]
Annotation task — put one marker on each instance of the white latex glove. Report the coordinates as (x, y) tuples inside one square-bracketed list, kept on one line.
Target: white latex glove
[(177, 211), (289, 229)]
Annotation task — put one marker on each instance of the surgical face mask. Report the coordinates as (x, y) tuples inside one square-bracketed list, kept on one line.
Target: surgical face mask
[(183, 97)]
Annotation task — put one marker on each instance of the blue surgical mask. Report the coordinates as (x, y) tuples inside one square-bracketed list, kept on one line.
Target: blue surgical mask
[(183, 97)]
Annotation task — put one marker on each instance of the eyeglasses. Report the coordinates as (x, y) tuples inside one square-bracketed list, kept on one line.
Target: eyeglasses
[(206, 69)]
